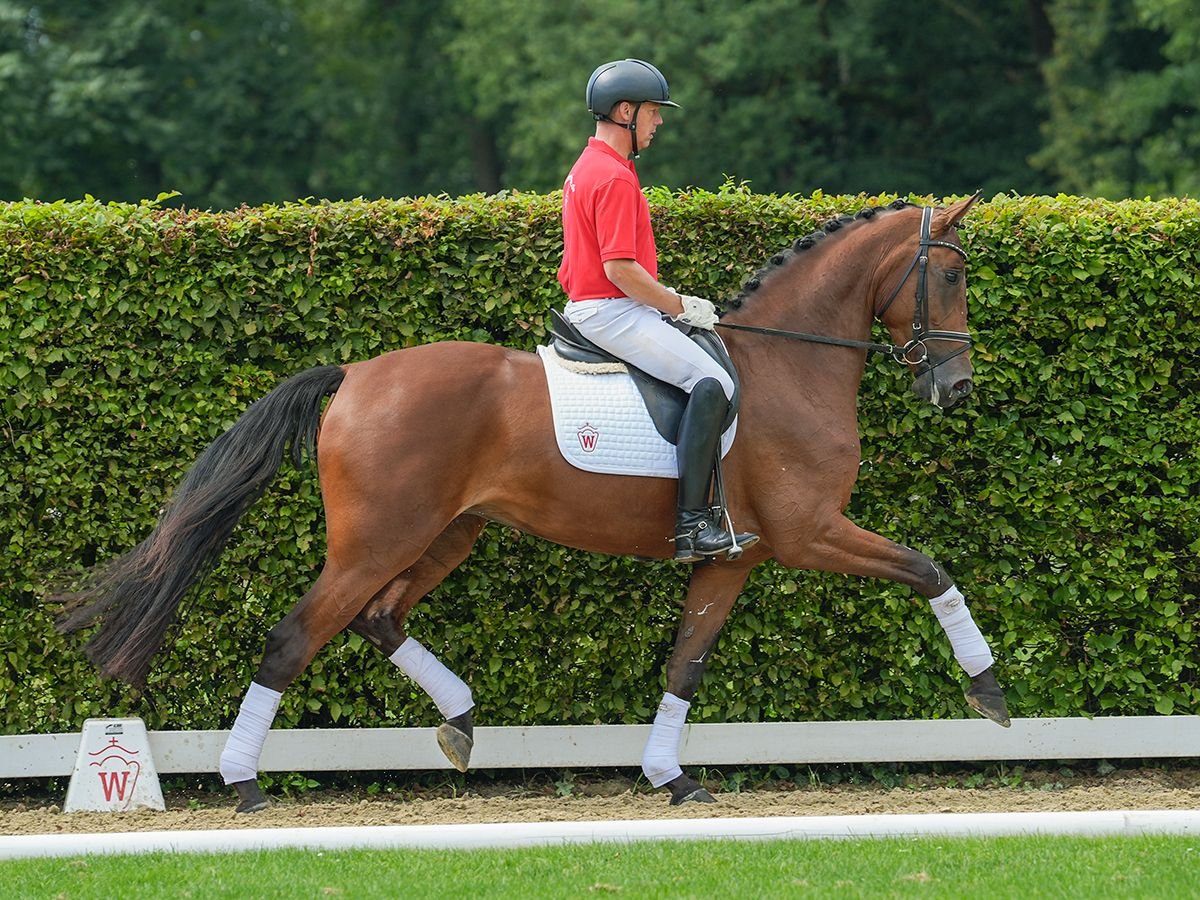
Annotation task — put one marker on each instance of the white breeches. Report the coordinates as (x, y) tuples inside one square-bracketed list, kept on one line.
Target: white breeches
[(638, 334)]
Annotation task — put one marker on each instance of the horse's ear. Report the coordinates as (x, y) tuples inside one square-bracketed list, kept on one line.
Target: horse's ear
[(949, 216)]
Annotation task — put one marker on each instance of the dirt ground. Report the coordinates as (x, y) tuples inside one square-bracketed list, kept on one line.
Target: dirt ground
[(600, 797)]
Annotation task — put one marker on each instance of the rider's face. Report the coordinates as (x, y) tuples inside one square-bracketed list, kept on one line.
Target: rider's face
[(649, 118)]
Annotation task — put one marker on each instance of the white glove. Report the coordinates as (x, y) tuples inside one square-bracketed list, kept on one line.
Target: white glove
[(697, 312)]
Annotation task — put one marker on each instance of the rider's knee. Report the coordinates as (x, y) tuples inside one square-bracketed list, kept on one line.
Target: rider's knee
[(710, 390)]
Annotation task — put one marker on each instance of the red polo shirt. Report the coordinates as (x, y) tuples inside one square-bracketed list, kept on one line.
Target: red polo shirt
[(605, 216)]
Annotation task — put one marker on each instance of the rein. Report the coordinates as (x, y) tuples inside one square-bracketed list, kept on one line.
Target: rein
[(921, 333), (891, 349)]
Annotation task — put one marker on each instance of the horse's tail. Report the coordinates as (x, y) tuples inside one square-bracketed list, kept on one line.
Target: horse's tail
[(137, 594)]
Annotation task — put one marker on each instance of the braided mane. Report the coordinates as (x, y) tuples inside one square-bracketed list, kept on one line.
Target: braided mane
[(783, 257)]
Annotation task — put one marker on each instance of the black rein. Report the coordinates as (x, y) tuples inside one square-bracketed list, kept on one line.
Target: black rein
[(815, 338)]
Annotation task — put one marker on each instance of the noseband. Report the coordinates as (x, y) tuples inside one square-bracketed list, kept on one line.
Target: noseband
[(915, 352)]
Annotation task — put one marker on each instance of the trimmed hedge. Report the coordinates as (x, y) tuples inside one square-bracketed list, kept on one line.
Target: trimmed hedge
[(1062, 498)]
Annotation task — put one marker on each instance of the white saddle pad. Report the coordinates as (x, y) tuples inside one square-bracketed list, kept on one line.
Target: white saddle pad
[(601, 423)]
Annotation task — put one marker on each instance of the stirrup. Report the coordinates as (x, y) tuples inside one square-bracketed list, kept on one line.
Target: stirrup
[(690, 530), (737, 542)]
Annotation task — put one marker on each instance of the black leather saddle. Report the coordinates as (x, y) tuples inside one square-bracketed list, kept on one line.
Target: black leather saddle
[(664, 402)]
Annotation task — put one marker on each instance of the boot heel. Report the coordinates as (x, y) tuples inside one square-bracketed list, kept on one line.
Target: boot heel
[(685, 551)]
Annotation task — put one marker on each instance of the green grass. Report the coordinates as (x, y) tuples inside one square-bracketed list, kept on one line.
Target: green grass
[(1151, 867)]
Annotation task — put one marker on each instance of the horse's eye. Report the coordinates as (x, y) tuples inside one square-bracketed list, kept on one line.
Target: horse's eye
[(952, 277)]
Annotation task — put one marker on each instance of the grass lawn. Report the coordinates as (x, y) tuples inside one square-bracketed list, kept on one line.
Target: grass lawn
[(1158, 867)]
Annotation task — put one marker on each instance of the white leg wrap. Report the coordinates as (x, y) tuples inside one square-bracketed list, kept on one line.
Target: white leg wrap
[(449, 692), (970, 649), (660, 761), (239, 759)]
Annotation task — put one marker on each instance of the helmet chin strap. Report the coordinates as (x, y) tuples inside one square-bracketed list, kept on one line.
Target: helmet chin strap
[(630, 126)]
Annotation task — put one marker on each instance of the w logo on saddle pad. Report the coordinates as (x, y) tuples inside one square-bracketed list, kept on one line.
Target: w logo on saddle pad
[(601, 423), (588, 436)]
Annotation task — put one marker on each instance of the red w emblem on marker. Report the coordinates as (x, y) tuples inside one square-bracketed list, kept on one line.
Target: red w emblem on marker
[(114, 784), (588, 438), (117, 770)]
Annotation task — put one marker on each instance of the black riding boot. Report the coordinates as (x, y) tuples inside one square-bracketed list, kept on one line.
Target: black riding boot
[(697, 532)]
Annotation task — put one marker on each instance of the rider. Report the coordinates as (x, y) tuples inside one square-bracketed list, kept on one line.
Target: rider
[(610, 274)]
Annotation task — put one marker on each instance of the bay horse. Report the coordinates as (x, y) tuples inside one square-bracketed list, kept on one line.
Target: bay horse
[(407, 489)]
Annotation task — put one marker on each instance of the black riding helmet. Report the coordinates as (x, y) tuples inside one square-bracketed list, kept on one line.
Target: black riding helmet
[(626, 79)]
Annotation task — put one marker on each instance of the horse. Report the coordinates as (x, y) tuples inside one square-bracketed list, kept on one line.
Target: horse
[(407, 490)]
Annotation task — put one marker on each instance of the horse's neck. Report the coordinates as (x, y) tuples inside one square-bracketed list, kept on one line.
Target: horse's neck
[(830, 301), (828, 293)]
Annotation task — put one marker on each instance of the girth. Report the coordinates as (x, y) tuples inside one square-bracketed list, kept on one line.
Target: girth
[(664, 402)]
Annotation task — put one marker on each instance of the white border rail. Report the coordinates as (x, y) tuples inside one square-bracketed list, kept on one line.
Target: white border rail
[(588, 746), (556, 834)]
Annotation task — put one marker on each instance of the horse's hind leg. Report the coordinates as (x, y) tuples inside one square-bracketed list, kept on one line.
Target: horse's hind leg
[(328, 606), (381, 622), (711, 594), (333, 602)]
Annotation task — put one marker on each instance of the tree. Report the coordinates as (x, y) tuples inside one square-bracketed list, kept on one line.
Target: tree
[(1121, 87), (231, 101), (249, 101), (124, 100), (855, 96), (71, 83), (391, 116)]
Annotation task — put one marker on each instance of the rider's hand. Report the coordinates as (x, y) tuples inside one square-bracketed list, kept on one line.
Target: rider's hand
[(697, 312)]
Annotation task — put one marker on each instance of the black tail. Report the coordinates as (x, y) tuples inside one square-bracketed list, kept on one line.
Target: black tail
[(137, 594)]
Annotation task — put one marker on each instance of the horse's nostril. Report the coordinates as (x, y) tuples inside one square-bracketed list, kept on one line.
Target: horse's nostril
[(964, 387)]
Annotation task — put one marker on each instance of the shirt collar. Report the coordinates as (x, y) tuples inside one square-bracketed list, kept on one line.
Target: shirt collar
[(594, 143)]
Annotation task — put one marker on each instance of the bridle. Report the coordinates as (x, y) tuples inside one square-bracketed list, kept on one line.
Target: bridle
[(915, 352), (920, 328)]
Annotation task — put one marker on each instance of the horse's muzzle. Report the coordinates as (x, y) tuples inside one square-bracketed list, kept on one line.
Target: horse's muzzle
[(944, 393), (959, 391)]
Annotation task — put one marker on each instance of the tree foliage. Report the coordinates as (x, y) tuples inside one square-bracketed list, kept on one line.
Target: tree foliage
[(132, 99), (252, 101), (1122, 89)]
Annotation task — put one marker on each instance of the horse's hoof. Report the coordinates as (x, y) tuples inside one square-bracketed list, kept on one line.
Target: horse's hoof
[(456, 741), (699, 795), (986, 698), (251, 797), (687, 790)]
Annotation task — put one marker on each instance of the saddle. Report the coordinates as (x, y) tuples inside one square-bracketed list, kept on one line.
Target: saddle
[(664, 402)]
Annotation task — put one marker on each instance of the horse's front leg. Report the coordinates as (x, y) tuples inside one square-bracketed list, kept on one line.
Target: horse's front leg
[(711, 594), (844, 547)]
